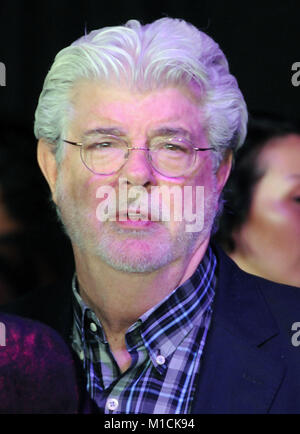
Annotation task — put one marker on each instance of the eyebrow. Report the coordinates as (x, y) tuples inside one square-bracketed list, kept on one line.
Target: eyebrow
[(116, 131), (171, 132), (113, 131)]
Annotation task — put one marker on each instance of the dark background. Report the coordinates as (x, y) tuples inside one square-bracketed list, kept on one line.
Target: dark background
[(260, 39)]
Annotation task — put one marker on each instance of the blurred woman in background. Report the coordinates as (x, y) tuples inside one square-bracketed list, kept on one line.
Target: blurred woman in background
[(260, 225)]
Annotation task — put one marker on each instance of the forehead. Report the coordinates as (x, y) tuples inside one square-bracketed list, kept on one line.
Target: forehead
[(282, 155), (95, 104)]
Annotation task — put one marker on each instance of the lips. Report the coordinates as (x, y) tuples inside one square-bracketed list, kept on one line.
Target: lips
[(133, 216)]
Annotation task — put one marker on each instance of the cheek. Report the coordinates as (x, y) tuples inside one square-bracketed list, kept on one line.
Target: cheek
[(286, 217), (77, 194), (275, 220)]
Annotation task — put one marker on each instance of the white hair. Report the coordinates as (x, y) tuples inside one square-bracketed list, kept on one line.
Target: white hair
[(163, 53)]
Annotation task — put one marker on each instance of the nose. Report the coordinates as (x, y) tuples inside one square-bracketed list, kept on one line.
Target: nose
[(137, 168)]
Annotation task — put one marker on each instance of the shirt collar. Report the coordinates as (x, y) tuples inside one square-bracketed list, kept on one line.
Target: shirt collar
[(164, 326), (168, 323)]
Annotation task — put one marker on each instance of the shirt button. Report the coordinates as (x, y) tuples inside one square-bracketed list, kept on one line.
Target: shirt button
[(160, 360), (93, 327), (112, 404), (81, 355)]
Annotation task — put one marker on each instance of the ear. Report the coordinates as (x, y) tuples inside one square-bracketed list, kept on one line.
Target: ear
[(224, 169), (48, 164)]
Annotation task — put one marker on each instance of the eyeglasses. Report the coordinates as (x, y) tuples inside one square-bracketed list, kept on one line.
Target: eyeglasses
[(172, 156)]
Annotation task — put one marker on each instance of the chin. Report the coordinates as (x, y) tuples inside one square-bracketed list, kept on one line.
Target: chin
[(134, 255), (142, 252)]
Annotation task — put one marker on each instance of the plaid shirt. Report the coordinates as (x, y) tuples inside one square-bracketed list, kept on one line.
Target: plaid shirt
[(165, 344)]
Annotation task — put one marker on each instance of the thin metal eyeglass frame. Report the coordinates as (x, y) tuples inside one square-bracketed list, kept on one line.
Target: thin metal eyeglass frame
[(80, 144)]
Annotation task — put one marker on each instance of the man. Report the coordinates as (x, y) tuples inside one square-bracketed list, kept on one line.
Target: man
[(161, 321)]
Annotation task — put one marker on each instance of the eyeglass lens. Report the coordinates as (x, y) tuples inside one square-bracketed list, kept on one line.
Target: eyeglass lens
[(107, 155)]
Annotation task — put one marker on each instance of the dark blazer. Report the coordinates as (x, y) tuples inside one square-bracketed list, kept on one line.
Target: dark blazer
[(249, 364)]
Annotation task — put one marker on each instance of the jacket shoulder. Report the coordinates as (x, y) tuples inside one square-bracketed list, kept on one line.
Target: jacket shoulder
[(281, 301)]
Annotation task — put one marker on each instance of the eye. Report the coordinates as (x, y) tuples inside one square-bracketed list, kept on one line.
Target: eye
[(100, 145), (103, 144), (296, 199), (173, 147)]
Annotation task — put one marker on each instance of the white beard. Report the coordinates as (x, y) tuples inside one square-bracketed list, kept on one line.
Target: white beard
[(131, 251)]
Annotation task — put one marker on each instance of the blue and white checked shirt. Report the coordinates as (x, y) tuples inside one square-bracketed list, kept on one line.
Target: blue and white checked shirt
[(165, 344)]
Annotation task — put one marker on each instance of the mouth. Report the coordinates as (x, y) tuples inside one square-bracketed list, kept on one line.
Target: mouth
[(133, 219)]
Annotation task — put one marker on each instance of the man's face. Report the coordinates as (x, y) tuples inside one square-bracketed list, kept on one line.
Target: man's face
[(132, 246)]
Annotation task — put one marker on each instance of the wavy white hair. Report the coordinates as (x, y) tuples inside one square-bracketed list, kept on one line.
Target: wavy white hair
[(165, 52)]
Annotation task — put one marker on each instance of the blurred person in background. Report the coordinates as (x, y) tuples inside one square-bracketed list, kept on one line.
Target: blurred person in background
[(33, 250), (37, 370), (260, 226)]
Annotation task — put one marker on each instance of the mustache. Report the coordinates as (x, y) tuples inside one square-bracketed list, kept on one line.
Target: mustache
[(157, 204), (142, 207)]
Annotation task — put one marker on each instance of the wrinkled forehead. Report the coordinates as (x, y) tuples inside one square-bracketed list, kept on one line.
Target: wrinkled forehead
[(84, 88), (96, 104)]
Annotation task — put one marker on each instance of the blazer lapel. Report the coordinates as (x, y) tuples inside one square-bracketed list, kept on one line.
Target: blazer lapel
[(240, 370)]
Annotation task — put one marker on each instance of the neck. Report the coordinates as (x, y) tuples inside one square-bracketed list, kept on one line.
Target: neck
[(119, 298), (280, 271)]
